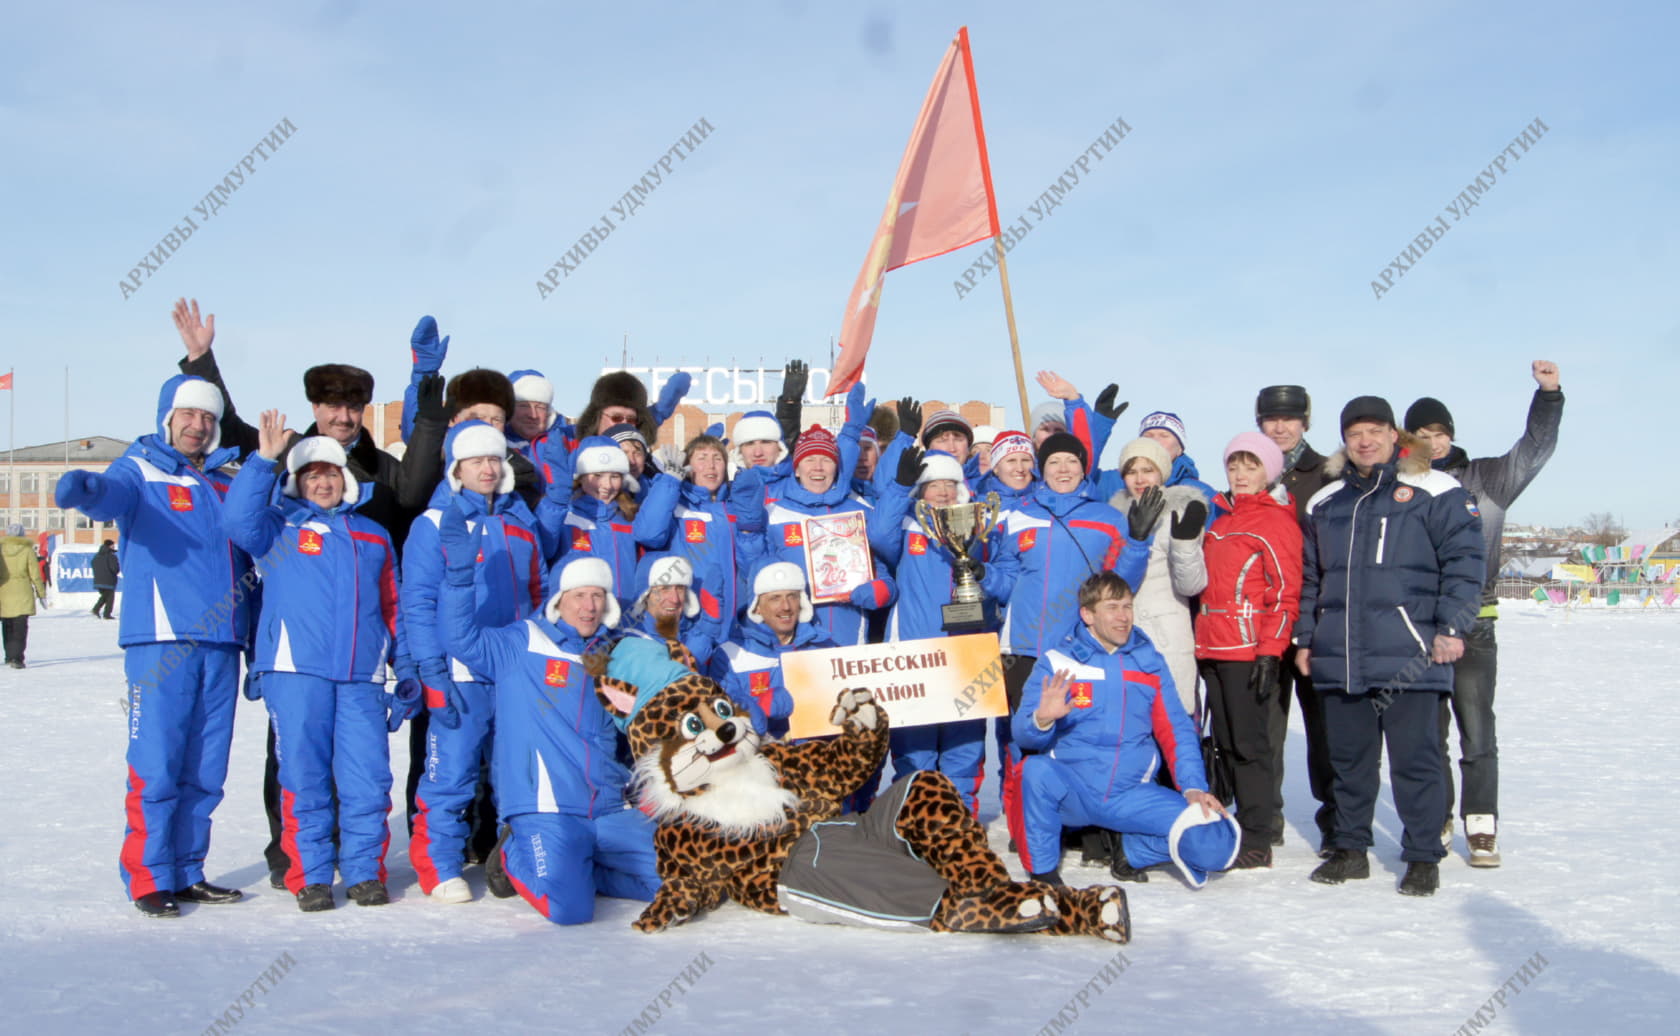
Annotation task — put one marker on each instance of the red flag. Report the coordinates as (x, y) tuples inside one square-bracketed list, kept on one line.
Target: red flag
[(941, 200), (5, 381)]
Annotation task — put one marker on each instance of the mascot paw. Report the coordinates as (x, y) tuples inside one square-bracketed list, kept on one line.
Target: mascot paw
[(1114, 920), (856, 707), (1015, 907), (649, 923)]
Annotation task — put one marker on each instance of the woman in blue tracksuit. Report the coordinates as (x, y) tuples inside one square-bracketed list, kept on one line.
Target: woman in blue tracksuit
[(560, 788), (600, 519), (819, 487), (1098, 718), (922, 568), (694, 518), (509, 580), (328, 627), (748, 666)]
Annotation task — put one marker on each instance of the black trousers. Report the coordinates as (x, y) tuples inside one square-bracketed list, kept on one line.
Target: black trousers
[(1408, 722), (1320, 777), (16, 635), (107, 597), (1241, 729)]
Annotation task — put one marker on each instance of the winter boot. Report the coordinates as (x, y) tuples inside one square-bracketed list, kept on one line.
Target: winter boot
[(158, 904), (452, 890), (1121, 869), (1482, 831), (369, 893), (495, 875), (1253, 857), (1098, 846), (1053, 878), (315, 897), (204, 892), (1342, 865), (1422, 879)]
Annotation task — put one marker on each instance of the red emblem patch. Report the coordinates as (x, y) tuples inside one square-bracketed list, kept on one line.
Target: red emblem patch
[(580, 539), (1081, 691), (694, 530), (559, 671), (1024, 542), (1402, 494), (180, 498), (309, 541), (793, 536), (918, 543), (759, 681)]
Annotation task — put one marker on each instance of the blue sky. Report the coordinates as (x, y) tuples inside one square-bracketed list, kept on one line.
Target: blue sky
[(447, 155)]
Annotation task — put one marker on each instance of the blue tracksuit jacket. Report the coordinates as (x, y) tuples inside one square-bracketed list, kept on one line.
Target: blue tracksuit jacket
[(679, 517), (749, 669)]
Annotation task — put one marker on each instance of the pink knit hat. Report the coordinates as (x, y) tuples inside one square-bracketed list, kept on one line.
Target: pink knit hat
[(1271, 458)]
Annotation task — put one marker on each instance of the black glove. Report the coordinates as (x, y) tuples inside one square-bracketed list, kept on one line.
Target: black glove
[(910, 467), (428, 403), (794, 379), (1105, 403), (1187, 524), (910, 417), (1263, 678), (1146, 511)]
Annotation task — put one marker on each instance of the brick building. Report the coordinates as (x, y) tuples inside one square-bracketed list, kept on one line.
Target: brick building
[(29, 476)]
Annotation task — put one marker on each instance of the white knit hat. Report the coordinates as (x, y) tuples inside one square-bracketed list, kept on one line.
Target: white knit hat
[(942, 467), (318, 449), (780, 575), (578, 571), (196, 394), (477, 439), (670, 570)]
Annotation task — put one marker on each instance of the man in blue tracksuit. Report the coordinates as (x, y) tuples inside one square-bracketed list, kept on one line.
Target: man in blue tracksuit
[(327, 632), (749, 665), (667, 604), (1391, 578), (509, 580), (560, 788), (1098, 716), (183, 624)]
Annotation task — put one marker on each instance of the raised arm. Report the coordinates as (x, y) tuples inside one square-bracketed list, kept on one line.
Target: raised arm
[(248, 518), (198, 335), (1502, 479)]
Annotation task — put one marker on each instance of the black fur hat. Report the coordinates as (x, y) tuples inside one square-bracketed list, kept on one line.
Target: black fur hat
[(618, 388), (338, 383), (479, 385)]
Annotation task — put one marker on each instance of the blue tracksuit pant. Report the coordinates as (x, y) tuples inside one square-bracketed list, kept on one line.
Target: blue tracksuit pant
[(449, 786), (330, 735), (559, 862), (956, 749), (180, 724), (1054, 797)]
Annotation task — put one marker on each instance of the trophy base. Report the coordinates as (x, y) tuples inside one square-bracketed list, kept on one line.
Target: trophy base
[(974, 617)]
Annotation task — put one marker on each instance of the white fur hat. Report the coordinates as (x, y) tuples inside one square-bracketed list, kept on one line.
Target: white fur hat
[(476, 439), (581, 570), (984, 433), (670, 570), (318, 449), (601, 460), (756, 426), (197, 394), (942, 467), (780, 575), (532, 387)]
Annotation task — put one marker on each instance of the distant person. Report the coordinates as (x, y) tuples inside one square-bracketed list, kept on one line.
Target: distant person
[(106, 569), (1494, 483), (20, 587)]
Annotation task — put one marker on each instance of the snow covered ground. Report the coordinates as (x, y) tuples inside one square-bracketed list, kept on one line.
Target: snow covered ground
[(1589, 717)]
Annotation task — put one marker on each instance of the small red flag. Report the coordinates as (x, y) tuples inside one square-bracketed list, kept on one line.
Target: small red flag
[(5, 381), (941, 200)]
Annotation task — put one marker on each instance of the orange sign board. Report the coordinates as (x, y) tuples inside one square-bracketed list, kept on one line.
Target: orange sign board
[(917, 682)]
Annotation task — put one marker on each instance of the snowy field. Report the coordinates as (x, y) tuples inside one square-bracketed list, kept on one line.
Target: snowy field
[(1589, 707)]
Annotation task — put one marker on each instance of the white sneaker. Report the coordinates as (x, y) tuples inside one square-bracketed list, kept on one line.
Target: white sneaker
[(1482, 832), (1446, 835), (454, 890)]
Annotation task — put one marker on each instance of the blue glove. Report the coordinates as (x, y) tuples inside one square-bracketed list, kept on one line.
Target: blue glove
[(557, 458), (877, 593), (715, 430), (671, 395), (405, 668), (402, 703), (460, 546), (858, 411), (442, 696), (425, 349), (76, 488), (253, 686)]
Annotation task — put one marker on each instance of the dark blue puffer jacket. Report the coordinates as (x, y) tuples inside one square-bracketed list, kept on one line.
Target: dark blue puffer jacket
[(1391, 559)]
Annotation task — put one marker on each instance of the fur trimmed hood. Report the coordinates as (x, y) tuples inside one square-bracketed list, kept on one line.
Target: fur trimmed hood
[(1411, 457)]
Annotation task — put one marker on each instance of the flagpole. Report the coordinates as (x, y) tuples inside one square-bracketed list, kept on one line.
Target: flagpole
[(11, 447), (1014, 337)]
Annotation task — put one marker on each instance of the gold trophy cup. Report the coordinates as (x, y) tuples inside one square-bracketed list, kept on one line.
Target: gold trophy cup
[(962, 530)]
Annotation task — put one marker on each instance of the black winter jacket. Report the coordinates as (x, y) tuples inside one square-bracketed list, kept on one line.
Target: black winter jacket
[(105, 568)]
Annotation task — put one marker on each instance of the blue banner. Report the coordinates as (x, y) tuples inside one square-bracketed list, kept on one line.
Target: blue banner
[(73, 572)]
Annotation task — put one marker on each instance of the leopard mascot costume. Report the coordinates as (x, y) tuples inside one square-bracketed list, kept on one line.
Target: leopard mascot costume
[(743, 819)]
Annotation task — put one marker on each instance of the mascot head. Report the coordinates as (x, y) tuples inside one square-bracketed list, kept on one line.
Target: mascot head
[(696, 754)]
